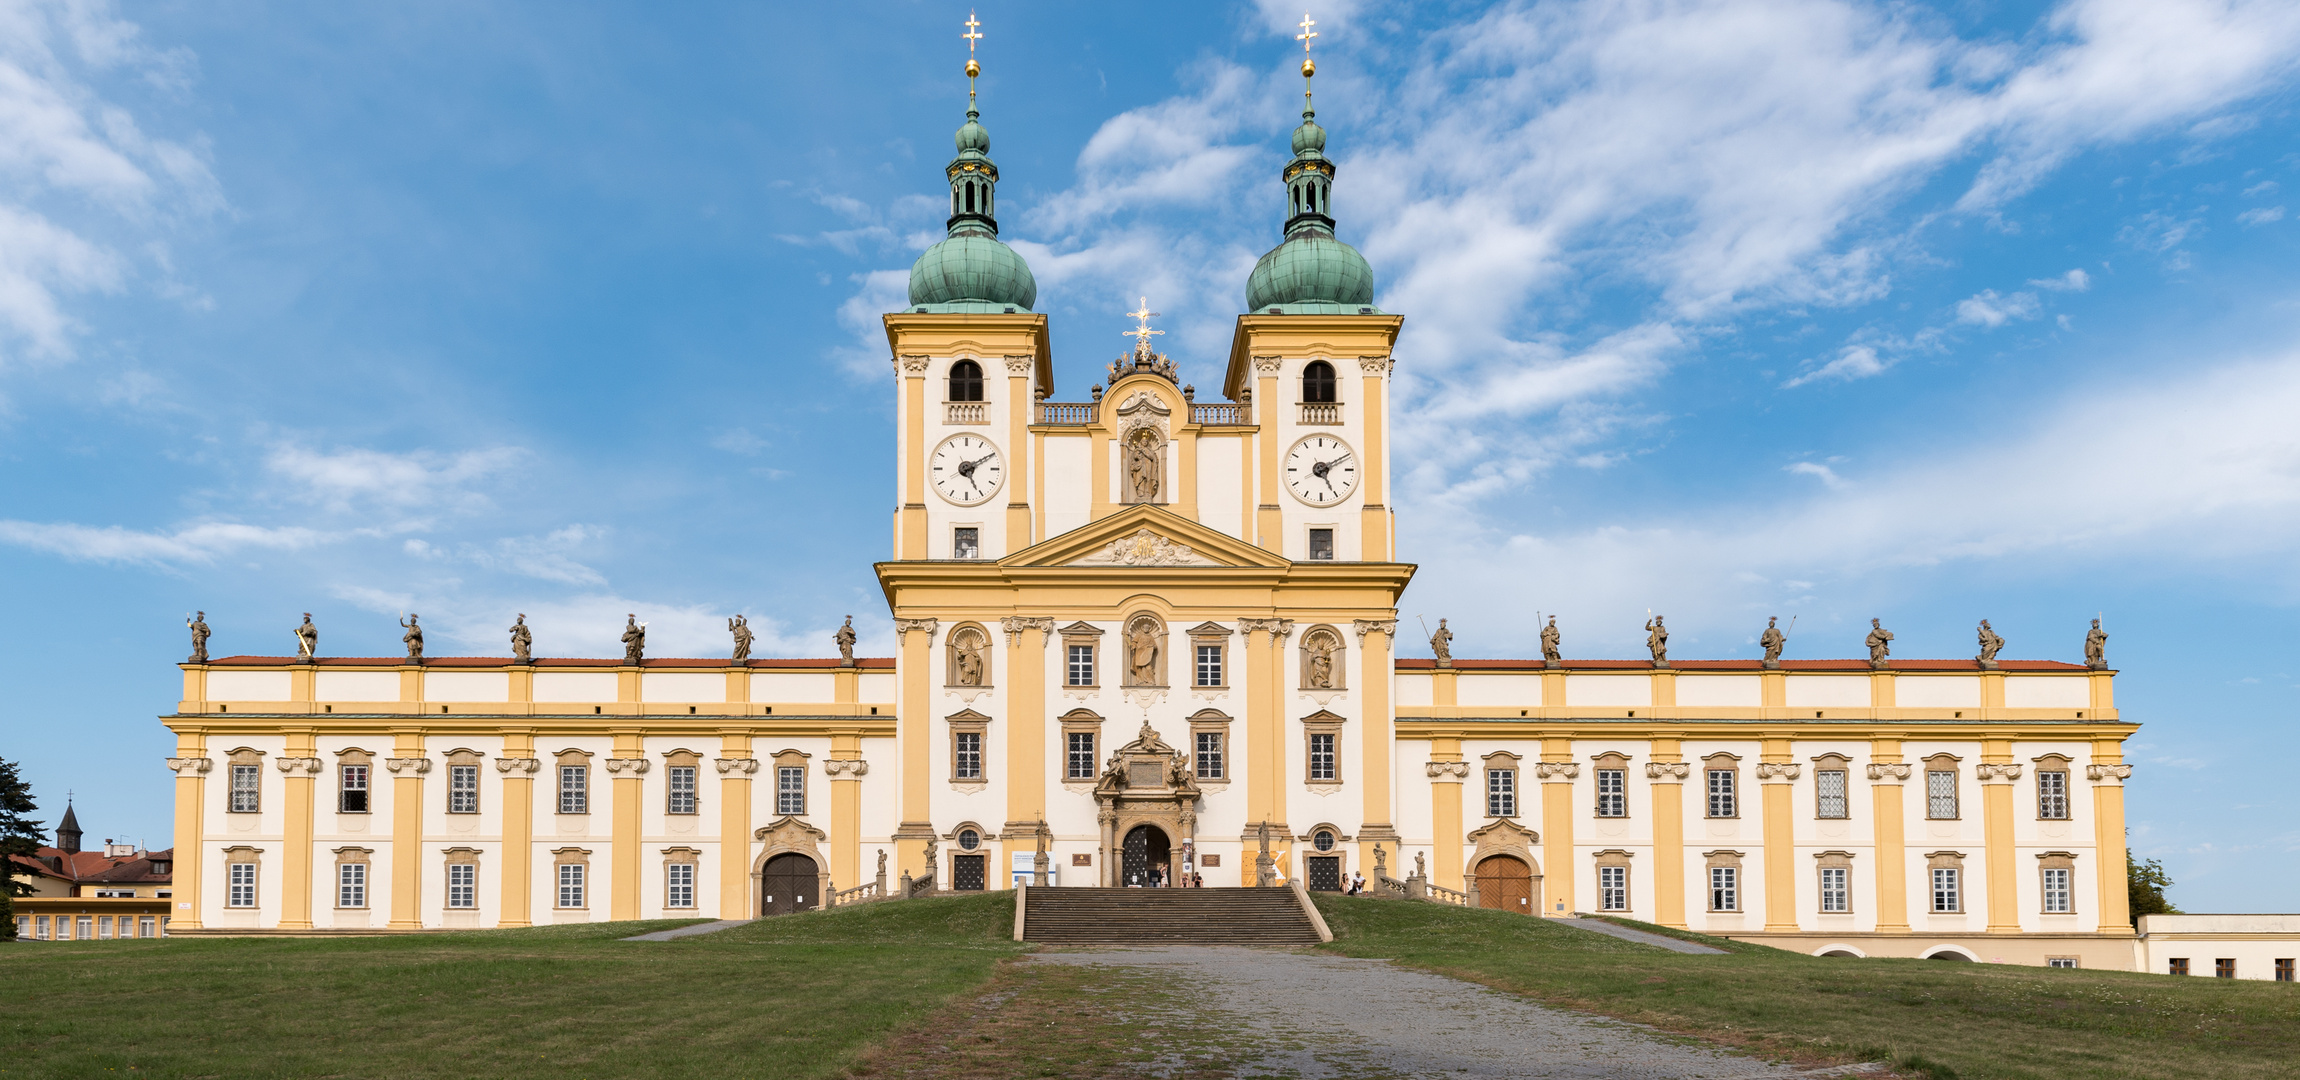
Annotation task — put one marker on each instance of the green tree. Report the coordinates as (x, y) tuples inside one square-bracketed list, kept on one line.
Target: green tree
[(19, 835), (2145, 883)]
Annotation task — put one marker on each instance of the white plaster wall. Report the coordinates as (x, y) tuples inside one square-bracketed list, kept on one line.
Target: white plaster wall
[(584, 686), (466, 686), (1828, 691), (349, 685), (795, 686), (1721, 691), (1498, 690), (1609, 691), (2037, 692), (1068, 495), (683, 686), (879, 687), (255, 686), (1937, 691), (1220, 501), (1412, 690)]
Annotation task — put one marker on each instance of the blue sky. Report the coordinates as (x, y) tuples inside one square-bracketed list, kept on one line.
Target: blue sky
[(1730, 309)]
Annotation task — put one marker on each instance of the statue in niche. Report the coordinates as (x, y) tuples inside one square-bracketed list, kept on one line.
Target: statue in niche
[(1441, 645), (2096, 648), (846, 641), (522, 640), (966, 660), (1880, 642), (634, 640), (1142, 654), (1142, 466), (306, 639), (740, 626), (1990, 644), (1549, 642), (413, 639), (1773, 640), (198, 625), (1321, 673), (1657, 640)]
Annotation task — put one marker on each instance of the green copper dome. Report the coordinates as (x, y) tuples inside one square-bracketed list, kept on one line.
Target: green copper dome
[(1311, 272), (970, 270)]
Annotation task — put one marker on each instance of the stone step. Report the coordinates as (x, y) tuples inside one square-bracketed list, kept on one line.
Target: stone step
[(1094, 916)]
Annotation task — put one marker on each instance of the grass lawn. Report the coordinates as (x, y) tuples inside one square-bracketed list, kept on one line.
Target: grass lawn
[(1970, 1021), (797, 996)]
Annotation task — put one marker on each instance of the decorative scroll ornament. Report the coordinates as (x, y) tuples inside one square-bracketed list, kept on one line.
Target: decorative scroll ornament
[(913, 365), (1436, 769), (518, 764), (904, 626), (1377, 365), (1277, 628), (1996, 774), (1668, 770), (1019, 364), (1889, 770), (416, 765), (1268, 365), (190, 766), (1014, 625), (1555, 770), (1778, 771), (1386, 627), (301, 766), (1145, 548), (849, 767), (636, 766), (2108, 772), (744, 765)]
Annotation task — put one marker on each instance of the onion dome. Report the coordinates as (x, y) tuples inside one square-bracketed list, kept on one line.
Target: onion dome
[(970, 270), (1311, 272)]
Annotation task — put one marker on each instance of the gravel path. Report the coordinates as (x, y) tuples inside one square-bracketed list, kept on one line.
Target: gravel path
[(1658, 941), (1312, 1015)]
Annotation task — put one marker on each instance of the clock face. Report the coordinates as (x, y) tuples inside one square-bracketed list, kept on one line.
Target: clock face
[(1321, 470), (966, 469)]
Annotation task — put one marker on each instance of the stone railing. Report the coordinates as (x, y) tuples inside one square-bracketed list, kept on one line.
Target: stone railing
[(1321, 412), (1221, 414), (861, 894), (965, 412), (1077, 414), (1441, 894)]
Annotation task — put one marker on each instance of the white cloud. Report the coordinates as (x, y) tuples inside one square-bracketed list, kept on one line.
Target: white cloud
[(549, 557), (198, 543), (2076, 280), (343, 479), (2265, 187), (882, 291), (1823, 473), (1852, 362), (1988, 309), (2261, 216)]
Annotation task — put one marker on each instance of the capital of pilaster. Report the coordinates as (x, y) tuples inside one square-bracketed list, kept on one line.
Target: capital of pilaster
[(1996, 774), (912, 364), (1377, 365), (2109, 773), (526, 765), (1456, 769), (190, 766), (1385, 627), (1268, 365), (301, 766), (636, 766), (1668, 772), (1014, 625), (1889, 772), (744, 765), (1019, 364), (416, 765), (904, 626), (1778, 772), (851, 768), (1557, 770), (1276, 628)]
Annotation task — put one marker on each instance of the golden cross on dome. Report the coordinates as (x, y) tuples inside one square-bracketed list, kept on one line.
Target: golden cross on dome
[(1307, 33), (1142, 332), (1309, 66), (973, 67)]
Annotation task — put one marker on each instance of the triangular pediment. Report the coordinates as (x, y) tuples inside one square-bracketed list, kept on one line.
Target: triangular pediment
[(1145, 536)]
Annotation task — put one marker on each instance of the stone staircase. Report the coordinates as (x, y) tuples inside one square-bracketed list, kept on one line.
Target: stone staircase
[(1073, 916)]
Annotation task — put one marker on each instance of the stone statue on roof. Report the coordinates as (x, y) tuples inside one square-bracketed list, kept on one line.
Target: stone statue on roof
[(1990, 644), (740, 626), (2096, 648), (1549, 642), (413, 638), (306, 639), (634, 641), (522, 640), (1441, 644), (846, 641), (198, 625), (1773, 641), (1657, 640), (1880, 642)]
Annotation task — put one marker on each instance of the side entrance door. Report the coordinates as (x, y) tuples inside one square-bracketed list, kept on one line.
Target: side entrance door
[(1505, 882), (1325, 873), (966, 873), (787, 884)]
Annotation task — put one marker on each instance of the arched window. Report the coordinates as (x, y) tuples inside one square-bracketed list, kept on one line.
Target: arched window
[(966, 381), (970, 198), (1318, 381)]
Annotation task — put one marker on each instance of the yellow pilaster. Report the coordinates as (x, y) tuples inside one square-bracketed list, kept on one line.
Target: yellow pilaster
[(735, 826), (846, 811), (407, 831), (1552, 689), (1668, 793), (1021, 457), (1445, 692), (1098, 472), (917, 729), (1186, 445), (738, 687), (846, 685), (295, 841), (1037, 479), (191, 828), (1558, 770), (1992, 690), (518, 830), (1268, 526), (1780, 839), (1265, 727), (1026, 735), (2108, 836), (1664, 689), (1881, 692), (1997, 822), (1446, 835), (1774, 685), (1247, 454), (1374, 521), (912, 527), (1886, 792), (1378, 744), (630, 790)]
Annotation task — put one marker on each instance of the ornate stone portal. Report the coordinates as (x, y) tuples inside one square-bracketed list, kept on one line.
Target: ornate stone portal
[(1146, 782)]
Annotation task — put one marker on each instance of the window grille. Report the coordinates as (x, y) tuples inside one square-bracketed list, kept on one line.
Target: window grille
[(2056, 890), (243, 885), (1612, 793), (966, 757), (462, 885), (1209, 665), (1322, 757), (682, 779), (1829, 784), (2052, 795), (1322, 545), (574, 789), (1835, 896), (790, 789), (1209, 758), (966, 543), (1724, 888), (570, 885), (247, 784), (1081, 668), (1940, 794), (352, 798), (1501, 792), (351, 885), (1721, 793), (463, 789), (1081, 756), (2060, 962), (1612, 888), (679, 888), (1945, 898)]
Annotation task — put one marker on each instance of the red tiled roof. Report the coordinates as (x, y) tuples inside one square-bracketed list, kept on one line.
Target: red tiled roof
[(872, 663), (1425, 664), (94, 867)]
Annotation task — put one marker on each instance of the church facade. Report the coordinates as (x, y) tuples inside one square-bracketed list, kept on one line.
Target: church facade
[(1145, 637)]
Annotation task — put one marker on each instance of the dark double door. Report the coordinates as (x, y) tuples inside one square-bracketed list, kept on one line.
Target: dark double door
[(1325, 872), (789, 883), (966, 872), (1145, 847)]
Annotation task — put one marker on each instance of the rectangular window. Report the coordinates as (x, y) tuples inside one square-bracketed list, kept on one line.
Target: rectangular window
[(2052, 795), (790, 789), (1209, 665), (352, 798), (2179, 966), (1721, 793), (682, 789), (1612, 888), (1941, 794), (966, 542), (2060, 961), (1501, 792), (462, 885), (1322, 545), (1830, 786), (1080, 670), (351, 885), (574, 789), (104, 927), (40, 927), (966, 756), (1836, 897), (1945, 898), (1322, 758), (1209, 759), (24, 926), (570, 885), (247, 783), (463, 789), (1612, 793), (1724, 888), (2224, 968), (2284, 969), (2056, 891), (147, 926), (242, 891), (87, 927), (1078, 763), (679, 886)]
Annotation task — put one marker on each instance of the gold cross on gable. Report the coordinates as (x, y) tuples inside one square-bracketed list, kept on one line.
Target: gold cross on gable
[(1142, 332), (1307, 33), (973, 32)]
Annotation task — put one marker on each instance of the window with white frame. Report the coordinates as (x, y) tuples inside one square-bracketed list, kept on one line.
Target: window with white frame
[(571, 885), (241, 888), (247, 788), (462, 885), (1209, 665), (1829, 789), (1946, 897), (1612, 793), (574, 789), (2056, 890), (1724, 888), (1322, 757), (1078, 761), (966, 755), (1721, 794), (1612, 888), (1501, 792), (1941, 794), (1080, 669), (790, 789), (463, 789), (1209, 756), (1836, 890), (682, 783), (351, 885), (2052, 794), (351, 796), (679, 885)]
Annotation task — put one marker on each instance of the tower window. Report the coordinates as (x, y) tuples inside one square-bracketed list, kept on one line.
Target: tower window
[(1322, 545), (966, 542), (1318, 381), (970, 198), (966, 381)]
